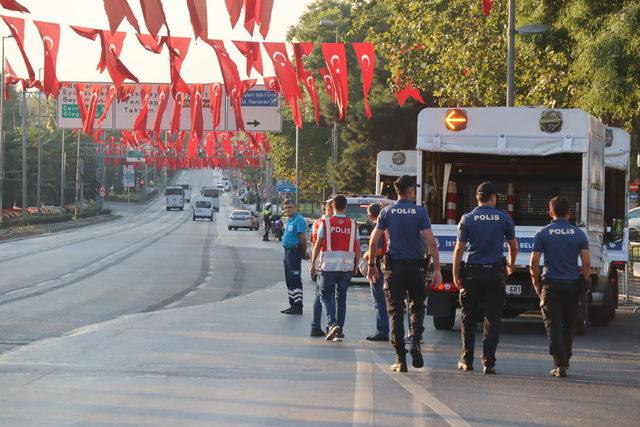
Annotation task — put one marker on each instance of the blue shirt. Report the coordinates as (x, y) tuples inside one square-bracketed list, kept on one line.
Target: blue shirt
[(483, 231), (321, 228), (404, 221), (294, 226), (560, 243)]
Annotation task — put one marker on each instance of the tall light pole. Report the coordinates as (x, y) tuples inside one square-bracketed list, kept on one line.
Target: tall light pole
[(511, 47), (334, 131), (24, 151), (39, 180), (2, 128)]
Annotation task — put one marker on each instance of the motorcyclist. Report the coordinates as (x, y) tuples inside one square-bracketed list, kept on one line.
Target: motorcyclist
[(266, 216)]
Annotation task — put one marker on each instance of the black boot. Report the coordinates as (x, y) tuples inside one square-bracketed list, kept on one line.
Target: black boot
[(401, 363), (416, 355)]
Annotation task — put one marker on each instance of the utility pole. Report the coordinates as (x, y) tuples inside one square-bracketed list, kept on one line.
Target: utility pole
[(39, 181), (63, 168), (24, 152), (511, 44), (77, 176), (297, 165)]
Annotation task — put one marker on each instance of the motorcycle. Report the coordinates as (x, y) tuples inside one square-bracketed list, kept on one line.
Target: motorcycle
[(277, 227)]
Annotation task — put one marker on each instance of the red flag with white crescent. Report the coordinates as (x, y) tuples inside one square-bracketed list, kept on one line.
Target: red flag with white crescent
[(336, 59), (125, 92), (111, 48), (286, 77), (10, 78), (16, 26), (271, 83), (226, 144), (209, 144), (234, 7), (13, 5), (197, 95), (251, 51), (409, 91), (88, 113), (178, 48), (250, 15), (300, 50), (215, 103), (263, 16), (151, 43), (154, 17), (231, 78), (327, 81), (141, 121), (111, 95), (116, 11), (80, 93), (176, 112), (50, 34), (310, 85), (487, 5), (366, 56), (162, 96), (192, 147), (198, 16)]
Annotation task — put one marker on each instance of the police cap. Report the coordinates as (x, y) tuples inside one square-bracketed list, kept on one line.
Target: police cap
[(486, 189)]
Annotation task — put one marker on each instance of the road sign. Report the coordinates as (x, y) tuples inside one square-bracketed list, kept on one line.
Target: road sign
[(456, 120), (128, 176), (261, 110), (135, 157), (286, 186), (68, 113)]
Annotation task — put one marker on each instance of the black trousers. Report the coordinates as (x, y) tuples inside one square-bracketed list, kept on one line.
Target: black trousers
[(482, 288), (559, 310), (405, 280), (267, 226)]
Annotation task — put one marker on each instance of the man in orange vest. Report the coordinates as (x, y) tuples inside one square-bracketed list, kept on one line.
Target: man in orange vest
[(338, 247), (316, 323)]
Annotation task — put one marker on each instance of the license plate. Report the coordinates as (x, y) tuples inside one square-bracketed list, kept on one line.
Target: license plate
[(514, 290)]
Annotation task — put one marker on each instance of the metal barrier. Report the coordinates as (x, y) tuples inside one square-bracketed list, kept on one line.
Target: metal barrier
[(629, 279)]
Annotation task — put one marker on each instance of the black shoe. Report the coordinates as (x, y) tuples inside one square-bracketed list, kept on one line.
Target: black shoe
[(340, 336), (558, 372), (465, 366), (416, 355), (334, 331), (317, 332), (378, 337), (401, 363), (489, 370), (292, 310)]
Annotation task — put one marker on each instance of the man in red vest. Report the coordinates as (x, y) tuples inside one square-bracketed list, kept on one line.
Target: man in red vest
[(338, 247), (316, 323)]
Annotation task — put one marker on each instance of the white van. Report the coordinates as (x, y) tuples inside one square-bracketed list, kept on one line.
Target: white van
[(203, 208), (214, 194), (227, 184), (175, 198), (187, 191)]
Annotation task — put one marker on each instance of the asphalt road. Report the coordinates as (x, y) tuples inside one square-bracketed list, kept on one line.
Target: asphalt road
[(149, 260)]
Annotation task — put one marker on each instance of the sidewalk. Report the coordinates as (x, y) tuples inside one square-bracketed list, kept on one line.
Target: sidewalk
[(202, 366)]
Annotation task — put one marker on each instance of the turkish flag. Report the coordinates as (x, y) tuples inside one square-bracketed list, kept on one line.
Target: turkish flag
[(264, 143), (13, 5), (116, 11), (209, 144), (367, 61), (231, 78), (409, 91), (198, 15), (178, 48), (251, 51), (327, 81), (215, 103), (50, 34), (192, 148), (80, 92), (176, 112), (263, 16), (197, 95), (111, 48), (151, 43), (162, 96), (226, 144), (250, 15), (111, 95), (487, 5), (247, 85), (300, 50), (16, 26), (154, 17), (88, 114), (271, 83), (336, 59), (286, 77), (310, 84), (125, 92), (141, 121), (234, 7), (10, 78), (87, 33)]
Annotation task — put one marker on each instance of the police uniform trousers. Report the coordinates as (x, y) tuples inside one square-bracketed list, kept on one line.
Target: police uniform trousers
[(483, 289), (404, 279), (292, 275), (559, 310)]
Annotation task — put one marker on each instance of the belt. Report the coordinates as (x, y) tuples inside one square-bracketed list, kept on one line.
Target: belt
[(560, 282), (486, 266), (290, 248)]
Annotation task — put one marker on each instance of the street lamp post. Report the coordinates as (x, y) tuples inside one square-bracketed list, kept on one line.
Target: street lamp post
[(39, 183), (334, 131), (511, 47), (2, 127)]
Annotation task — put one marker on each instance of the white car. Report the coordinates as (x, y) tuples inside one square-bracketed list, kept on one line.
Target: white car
[(243, 219), (203, 208), (634, 218)]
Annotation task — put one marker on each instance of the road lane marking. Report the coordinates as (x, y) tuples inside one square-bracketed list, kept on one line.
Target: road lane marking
[(418, 414), (422, 395), (173, 304), (15, 291), (66, 275), (363, 400)]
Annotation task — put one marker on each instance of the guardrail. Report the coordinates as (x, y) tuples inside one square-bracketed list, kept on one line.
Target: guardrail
[(629, 279)]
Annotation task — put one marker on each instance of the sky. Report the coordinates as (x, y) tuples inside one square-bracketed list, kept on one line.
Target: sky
[(78, 57)]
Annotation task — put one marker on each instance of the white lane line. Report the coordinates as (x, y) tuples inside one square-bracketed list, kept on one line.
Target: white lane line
[(15, 291), (422, 395), (363, 399), (80, 270), (66, 275), (418, 414), (190, 293), (44, 283), (173, 304)]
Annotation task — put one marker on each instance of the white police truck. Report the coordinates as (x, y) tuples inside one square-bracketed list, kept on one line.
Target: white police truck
[(531, 154)]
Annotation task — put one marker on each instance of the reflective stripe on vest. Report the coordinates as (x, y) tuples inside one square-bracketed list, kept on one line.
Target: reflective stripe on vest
[(337, 253)]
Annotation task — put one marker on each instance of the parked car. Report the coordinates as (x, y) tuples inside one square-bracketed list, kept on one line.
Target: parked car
[(243, 219)]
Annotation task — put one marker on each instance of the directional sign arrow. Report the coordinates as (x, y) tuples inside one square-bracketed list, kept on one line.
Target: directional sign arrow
[(255, 123), (456, 120)]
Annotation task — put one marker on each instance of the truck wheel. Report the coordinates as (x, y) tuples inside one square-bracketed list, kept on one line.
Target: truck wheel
[(168, 209), (181, 208), (445, 323), (604, 314), (211, 218), (194, 218), (582, 320), (229, 228)]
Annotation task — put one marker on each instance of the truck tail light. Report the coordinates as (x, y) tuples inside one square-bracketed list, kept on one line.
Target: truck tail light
[(443, 287), (613, 272)]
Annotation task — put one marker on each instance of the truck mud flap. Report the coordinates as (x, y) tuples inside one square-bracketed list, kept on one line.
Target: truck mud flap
[(440, 304)]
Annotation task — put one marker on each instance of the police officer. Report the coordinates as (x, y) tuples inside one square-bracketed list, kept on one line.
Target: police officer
[(294, 242), (561, 243), (316, 323), (481, 280), (266, 216), (409, 232)]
